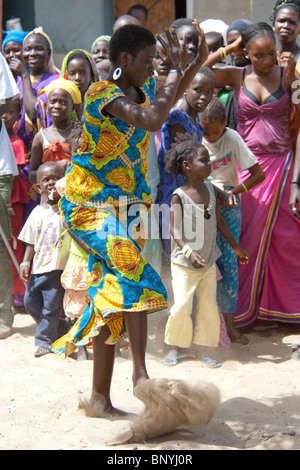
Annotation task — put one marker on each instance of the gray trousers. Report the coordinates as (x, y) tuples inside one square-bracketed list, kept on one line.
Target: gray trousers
[(6, 278)]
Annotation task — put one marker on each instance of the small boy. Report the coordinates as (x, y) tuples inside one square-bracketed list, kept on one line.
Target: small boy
[(48, 248)]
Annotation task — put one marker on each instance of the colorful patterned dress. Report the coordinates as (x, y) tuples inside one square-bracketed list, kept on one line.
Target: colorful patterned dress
[(105, 188)]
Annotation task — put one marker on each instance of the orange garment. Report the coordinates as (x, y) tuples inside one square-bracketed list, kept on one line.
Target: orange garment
[(57, 151)]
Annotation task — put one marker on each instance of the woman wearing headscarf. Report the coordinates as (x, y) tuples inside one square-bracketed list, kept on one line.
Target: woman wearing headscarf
[(79, 67), (12, 46), (35, 72)]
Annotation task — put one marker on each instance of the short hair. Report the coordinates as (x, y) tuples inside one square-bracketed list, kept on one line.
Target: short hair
[(130, 38), (138, 6), (16, 101), (214, 35), (185, 148), (181, 23), (208, 73), (294, 4), (47, 165), (256, 31), (214, 111)]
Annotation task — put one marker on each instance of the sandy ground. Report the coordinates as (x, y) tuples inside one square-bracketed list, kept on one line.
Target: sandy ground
[(259, 386)]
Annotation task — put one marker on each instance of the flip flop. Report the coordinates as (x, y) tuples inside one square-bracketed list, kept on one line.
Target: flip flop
[(171, 361), (211, 363)]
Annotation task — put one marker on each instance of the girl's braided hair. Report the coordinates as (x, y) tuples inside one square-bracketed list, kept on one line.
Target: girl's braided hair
[(184, 148), (215, 111), (257, 30), (295, 4)]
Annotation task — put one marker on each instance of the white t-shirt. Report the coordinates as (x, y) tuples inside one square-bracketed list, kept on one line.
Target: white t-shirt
[(8, 86), (226, 155), (8, 165), (43, 229)]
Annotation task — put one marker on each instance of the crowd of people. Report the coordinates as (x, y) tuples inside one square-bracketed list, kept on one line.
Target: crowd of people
[(196, 127)]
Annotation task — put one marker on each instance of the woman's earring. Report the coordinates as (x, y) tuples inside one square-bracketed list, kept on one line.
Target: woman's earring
[(117, 73)]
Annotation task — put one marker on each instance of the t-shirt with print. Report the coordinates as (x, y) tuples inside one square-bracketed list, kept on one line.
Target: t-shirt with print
[(44, 230), (226, 155)]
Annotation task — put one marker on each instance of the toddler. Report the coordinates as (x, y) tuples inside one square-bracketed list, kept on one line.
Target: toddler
[(194, 252)]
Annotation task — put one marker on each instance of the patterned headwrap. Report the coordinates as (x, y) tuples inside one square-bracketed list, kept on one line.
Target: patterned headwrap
[(13, 36), (100, 38), (285, 4), (50, 64), (64, 66), (66, 85)]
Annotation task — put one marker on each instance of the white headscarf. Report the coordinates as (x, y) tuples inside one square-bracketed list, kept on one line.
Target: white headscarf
[(215, 25)]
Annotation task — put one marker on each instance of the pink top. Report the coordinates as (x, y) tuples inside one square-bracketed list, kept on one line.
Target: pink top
[(264, 127)]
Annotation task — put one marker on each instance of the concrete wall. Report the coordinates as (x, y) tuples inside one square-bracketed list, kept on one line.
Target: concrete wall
[(74, 23), (255, 10), (222, 10)]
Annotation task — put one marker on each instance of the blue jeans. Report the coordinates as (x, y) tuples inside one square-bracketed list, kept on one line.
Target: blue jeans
[(44, 302)]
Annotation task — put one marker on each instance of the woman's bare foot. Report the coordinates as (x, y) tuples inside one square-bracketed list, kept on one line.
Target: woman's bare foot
[(234, 335), (99, 407)]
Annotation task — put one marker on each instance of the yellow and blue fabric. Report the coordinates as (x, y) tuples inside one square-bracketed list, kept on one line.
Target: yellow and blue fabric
[(105, 186), (228, 285)]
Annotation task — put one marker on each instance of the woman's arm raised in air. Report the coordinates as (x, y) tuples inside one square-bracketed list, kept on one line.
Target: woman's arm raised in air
[(227, 75)]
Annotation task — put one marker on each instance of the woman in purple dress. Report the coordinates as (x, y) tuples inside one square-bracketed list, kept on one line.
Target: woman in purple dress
[(35, 71)]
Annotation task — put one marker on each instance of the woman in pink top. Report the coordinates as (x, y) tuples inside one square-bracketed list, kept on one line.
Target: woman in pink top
[(269, 284)]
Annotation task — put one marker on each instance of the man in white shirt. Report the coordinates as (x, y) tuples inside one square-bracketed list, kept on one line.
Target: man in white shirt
[(8, 170)]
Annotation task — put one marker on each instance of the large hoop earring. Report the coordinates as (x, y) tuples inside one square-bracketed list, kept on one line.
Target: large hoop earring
[(117, 73)]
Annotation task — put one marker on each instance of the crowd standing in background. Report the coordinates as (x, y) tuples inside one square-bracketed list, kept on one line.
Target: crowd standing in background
[(198, 116)]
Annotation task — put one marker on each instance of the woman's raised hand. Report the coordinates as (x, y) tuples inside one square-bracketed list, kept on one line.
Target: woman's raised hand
[(175, 56), (202, 53), (234, 46), (286, 59)]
